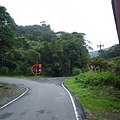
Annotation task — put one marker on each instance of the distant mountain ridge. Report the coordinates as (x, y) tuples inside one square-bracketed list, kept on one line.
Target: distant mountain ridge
[(96, 53), (93, 54)]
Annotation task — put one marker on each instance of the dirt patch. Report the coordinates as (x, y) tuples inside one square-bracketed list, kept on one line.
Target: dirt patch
[(103, 116), (10, 93), (111, 115)]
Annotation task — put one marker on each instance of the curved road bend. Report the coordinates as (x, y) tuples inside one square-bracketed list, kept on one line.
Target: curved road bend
[(45, 100)]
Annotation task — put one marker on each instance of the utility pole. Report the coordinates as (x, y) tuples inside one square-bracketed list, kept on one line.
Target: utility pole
[(37, 67), (37, 58), (100, 46)]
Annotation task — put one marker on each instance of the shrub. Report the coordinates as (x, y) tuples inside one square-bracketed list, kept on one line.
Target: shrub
[(17, 71), (76, 71), (4, 69), (98, 64), (7, 87), (101, 78)]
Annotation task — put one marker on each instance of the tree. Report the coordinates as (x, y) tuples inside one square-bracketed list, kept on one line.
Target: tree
[(61, 54), (111, 53), (36, 33), (7, 37)]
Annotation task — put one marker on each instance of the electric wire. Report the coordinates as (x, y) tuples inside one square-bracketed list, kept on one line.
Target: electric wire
[(54, 9), (65, 18), (57, 12), (80, 21)]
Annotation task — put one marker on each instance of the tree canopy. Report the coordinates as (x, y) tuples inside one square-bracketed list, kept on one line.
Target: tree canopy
[(111, 53), (22, 46)]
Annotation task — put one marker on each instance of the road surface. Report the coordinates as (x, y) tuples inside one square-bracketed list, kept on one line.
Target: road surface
[(46, 99)]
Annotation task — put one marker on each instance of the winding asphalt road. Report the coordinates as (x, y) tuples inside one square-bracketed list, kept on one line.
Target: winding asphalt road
[(46, 99)]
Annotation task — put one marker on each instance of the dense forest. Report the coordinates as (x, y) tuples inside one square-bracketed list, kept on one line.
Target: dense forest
[(59, 53)]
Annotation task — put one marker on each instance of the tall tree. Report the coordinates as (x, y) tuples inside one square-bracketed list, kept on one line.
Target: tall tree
[(7, 36)]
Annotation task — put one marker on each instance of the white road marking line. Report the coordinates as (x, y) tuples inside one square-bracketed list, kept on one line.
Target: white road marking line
[(73, 103), (15, 98)]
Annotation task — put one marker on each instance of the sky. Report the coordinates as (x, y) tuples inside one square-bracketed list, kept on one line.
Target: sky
[(92, 17)]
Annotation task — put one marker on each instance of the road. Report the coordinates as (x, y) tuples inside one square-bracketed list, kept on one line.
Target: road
[(46, 99)]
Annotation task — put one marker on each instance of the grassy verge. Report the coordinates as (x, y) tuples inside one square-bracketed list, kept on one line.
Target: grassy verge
[(23, 76), (100, 101)]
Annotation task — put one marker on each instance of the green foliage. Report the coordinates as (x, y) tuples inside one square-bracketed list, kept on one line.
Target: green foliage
[(112, 65), (76, 71), (98, 64), (36, 33), (99, 79), (4, 86), (96, 100), (7, 38), (109, 60), (7, 87), (59, 53), (112, 52), (4, 70)]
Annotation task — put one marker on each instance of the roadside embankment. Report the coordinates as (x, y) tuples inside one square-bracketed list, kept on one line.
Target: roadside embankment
[(9, 92)]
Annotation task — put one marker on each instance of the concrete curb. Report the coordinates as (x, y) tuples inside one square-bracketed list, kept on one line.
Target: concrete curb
[(15, 98)]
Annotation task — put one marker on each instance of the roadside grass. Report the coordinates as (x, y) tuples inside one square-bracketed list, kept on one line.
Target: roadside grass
[(97, 100), (24, 76)]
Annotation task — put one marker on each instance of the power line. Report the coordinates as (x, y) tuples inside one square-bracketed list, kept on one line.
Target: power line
[(60, 14), (57, 12), (81, 22), (76, 16)]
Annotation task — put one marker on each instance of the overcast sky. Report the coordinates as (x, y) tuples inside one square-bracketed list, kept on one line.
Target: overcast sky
[(92, 17)]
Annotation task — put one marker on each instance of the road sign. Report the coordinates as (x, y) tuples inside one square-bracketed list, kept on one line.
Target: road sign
[(36, 69)]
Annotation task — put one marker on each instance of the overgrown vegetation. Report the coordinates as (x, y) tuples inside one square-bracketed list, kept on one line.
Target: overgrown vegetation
[(99, 89), (99, 79), (108, 60), (22, 46), (99, 94)]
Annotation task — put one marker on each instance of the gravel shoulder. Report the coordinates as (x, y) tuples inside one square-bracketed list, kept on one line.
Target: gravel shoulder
[(6, 95)]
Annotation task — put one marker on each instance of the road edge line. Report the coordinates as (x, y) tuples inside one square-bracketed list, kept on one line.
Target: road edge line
[(15, 98), (73, 103)]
